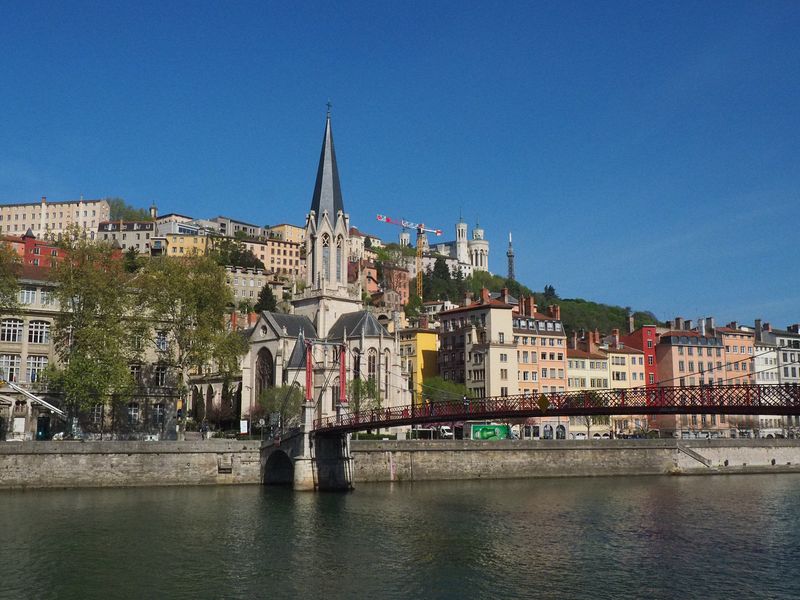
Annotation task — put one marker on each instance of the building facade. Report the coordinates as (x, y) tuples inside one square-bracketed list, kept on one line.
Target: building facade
[(51, 219), (419, 359), (477, 347), (130, 234), (287, 233)]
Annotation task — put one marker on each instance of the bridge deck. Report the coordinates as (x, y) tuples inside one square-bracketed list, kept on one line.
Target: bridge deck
[(720, 399)]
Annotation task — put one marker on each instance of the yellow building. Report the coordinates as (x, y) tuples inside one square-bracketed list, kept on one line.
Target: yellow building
[(418, 358), (181, 244), (288, 233)]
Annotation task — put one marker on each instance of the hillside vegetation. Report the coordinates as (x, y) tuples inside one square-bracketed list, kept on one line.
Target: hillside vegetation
[(576, 313)]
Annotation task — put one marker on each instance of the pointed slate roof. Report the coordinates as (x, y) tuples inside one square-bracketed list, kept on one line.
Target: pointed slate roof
[(327, 191), (297, 360), (355, 324)]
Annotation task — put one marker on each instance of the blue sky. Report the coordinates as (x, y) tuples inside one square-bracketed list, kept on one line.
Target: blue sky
[(642, 154)]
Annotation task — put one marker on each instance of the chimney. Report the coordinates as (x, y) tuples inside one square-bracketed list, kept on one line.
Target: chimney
[(44, 199), (467, 298), (758, 330), (794, 328), (671, 324), (504, 295), (557, 311), (679, 323), (733, 325), (701, 326), (767, 327), (615, 333), (710, 325), (575, 339), (687, 324), (485, 295), (591, 345), (631, 326)]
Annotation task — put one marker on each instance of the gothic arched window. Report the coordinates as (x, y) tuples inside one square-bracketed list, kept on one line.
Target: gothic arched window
[(326, 257), (372, 364), (386, 373), (265, 373), (339, 244)]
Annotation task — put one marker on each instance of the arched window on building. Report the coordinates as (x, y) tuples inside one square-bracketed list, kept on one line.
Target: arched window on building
[(265, 372), (335, 394), (372, 364), (339, 244), (326, 257), (386, 362)]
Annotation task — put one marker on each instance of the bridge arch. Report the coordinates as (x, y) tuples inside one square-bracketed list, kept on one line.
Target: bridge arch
[(279, 469)]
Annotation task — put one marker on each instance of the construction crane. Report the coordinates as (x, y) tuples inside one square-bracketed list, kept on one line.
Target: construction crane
[(421, 231)]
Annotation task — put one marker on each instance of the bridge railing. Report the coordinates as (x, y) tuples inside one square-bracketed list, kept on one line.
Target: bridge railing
[(649, 400)]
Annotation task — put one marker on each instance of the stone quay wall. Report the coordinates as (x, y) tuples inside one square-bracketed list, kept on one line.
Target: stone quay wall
[(121, 464), (220, 462), (375, 461)]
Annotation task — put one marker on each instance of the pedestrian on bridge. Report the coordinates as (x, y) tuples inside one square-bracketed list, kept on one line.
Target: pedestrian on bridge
[(466, 404)]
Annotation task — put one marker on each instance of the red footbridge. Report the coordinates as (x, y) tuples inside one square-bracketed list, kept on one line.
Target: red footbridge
[(710, 400)]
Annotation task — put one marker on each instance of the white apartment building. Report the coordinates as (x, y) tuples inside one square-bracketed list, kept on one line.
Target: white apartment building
[(50, 219)]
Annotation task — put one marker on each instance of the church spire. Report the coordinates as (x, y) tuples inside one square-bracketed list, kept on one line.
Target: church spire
[(327, 191)]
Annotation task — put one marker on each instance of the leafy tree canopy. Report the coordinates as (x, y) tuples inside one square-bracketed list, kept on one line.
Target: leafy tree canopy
[(231, 252), (94, 332), (437, 389), (286, 400), (9, 287), (121, 210), (266, 300)]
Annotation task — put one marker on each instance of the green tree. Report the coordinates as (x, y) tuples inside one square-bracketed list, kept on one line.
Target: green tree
[(232, 252), (131, 260), (9, 285), (266, 300), (363, 394), (414, 307), (188, 298), (122, 211), (286, 400), (94, 331), (437, 389)]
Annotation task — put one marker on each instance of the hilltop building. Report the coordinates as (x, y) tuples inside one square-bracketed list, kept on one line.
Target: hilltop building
[(50, 219)]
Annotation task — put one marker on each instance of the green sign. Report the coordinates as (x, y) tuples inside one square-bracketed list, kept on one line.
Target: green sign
[(490, 432)]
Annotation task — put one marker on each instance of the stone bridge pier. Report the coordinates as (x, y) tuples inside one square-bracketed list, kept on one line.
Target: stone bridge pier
[(306, 461)]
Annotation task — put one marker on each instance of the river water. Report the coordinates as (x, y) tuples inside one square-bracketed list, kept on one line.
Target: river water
[(654, 537)]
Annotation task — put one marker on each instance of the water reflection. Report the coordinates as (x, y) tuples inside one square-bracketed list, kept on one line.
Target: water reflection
[(658, 537)]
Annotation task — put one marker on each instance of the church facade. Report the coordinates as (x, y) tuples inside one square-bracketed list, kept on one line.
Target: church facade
[(327, 316)]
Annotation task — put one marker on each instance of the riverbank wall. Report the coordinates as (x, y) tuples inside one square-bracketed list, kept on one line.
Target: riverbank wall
[(375, 461), (220, 462), (121, 464)]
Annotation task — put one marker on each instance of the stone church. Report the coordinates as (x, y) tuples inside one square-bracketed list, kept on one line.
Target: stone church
[(328, 313)]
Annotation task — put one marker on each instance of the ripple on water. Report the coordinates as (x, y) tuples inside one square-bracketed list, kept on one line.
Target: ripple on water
[(656, 537)]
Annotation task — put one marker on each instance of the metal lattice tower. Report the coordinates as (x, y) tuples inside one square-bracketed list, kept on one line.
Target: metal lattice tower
[(510, 255)]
